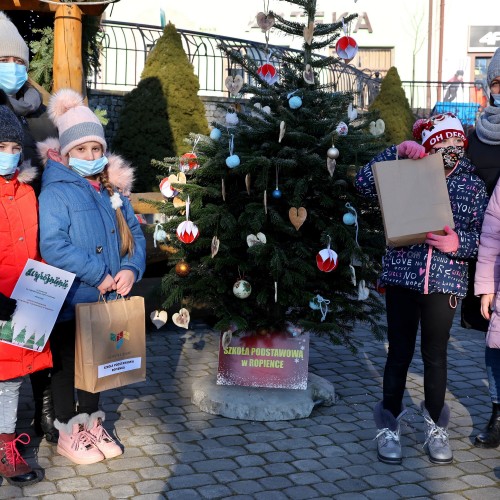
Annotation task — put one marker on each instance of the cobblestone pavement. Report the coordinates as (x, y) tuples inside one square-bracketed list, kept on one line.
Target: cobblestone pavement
[(175, 451)]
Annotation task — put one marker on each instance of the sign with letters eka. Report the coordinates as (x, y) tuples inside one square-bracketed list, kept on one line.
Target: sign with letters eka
[(274, 360)]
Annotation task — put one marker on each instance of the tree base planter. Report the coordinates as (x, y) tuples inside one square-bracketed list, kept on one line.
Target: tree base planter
[(261, 404)]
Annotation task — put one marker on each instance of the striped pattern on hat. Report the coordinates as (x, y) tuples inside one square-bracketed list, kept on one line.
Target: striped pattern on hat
[(76, 122)]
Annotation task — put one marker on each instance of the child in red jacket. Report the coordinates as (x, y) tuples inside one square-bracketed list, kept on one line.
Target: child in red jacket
[(19, 242)]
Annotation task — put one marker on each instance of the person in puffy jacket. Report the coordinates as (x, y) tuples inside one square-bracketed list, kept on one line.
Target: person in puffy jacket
[(26, 103), (423, 284), (87, 227), (19, 242)]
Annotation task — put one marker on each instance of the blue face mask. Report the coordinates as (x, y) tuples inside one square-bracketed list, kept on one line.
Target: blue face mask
[(12, 77), (86, 168), (9, 163), (496, 100)]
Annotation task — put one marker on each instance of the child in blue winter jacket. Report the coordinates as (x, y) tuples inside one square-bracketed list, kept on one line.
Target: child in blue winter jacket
[(87, 227), (440, 268)]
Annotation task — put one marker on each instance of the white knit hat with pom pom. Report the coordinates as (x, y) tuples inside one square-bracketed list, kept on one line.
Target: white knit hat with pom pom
[(75, 122)]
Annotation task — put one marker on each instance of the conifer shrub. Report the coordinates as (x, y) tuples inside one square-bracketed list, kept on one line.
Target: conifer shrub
[(186, 113), (143, 132), (393, 107)]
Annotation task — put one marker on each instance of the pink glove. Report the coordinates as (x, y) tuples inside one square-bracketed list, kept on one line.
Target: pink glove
[(446, 244), (411, 149)]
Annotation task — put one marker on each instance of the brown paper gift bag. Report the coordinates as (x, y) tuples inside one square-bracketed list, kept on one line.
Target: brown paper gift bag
[(413, 198), (110, 347)]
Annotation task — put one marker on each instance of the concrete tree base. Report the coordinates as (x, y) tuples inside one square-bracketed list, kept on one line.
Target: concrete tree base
[(261, 404)]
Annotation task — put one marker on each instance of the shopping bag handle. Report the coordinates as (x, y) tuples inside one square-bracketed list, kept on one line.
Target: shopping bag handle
[(102, 297)]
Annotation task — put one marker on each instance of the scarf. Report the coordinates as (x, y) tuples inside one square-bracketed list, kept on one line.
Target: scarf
[(28, 103), (488, 126)]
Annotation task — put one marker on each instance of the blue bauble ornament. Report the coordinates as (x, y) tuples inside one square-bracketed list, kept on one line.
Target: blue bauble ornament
[(277, 193), (295, 102), (233, 161), (215, 134), (349, 219)]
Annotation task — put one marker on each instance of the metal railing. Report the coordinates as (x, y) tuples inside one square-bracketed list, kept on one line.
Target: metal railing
[(127, 45)]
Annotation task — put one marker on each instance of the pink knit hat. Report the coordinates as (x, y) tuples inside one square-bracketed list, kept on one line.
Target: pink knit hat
[(75, 122), (437, 128)]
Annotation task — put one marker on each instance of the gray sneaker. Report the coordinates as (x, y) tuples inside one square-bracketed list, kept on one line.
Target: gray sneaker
[(436, 436), (388, 435)]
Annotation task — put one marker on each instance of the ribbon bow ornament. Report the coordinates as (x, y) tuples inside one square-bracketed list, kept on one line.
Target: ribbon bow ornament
[(321, 304)]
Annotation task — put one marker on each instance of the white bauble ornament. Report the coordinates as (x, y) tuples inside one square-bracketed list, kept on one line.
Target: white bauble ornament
[(242, 289)]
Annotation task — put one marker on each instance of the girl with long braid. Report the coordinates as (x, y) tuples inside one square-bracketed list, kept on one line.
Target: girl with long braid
[(87, 227)]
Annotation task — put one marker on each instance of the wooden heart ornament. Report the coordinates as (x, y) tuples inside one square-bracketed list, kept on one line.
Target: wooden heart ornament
[(308, 33), (158, 318), (234, 84), (308, 75), (377, 128), (181, 319), (256, 239), (265, 21), (297, 216)]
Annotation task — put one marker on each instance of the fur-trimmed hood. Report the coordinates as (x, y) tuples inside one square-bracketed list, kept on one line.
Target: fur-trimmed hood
[(120, 172), (27, 173)]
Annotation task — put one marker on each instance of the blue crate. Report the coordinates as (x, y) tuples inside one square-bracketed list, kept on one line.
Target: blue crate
[(465, 111)]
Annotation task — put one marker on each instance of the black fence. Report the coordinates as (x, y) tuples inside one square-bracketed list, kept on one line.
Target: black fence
[(127, 45), (465, 99)]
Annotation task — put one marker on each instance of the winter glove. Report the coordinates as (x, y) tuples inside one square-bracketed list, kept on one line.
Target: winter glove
[(7, 307), (411, 149), (446, 244)]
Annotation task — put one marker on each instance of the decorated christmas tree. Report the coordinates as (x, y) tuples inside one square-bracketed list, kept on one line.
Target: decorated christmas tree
[(272, 236)]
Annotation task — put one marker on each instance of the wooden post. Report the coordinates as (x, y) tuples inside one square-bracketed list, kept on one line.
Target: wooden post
[(68, 70)]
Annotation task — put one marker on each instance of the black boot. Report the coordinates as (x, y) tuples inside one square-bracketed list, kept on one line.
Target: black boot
[(43, 420), (490, 437)]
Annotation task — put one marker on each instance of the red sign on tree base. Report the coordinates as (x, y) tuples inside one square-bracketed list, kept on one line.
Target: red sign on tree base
[(274, 360)]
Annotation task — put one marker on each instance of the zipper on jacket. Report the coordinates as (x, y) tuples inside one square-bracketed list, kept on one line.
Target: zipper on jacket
[(427, 270)]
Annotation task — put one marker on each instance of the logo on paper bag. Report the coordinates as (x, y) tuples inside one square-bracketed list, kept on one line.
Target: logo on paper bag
[(119, 338)]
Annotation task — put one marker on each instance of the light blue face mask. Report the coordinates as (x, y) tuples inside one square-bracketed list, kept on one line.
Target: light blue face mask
[(9, 163), (12, 77), (496, 100), (86, 168)]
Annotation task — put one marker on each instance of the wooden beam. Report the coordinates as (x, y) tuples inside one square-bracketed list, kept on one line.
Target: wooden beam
[(68, 69), (38, 6)]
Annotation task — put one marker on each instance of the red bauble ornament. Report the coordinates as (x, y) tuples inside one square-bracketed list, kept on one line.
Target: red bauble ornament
[(166, 189), (326, 260), (268, 73), (346, 48), (189, 161), (187, 232)]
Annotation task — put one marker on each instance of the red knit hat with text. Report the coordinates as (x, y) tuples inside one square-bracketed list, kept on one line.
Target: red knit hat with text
[(437, 128)]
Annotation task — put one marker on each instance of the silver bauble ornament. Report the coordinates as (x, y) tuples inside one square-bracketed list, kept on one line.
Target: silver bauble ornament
[(333, 153)]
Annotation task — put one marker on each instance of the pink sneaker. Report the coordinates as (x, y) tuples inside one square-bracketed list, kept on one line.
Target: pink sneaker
[(76, 443), (106, 444)]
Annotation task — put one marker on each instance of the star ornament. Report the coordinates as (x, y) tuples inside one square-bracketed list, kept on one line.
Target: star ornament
[(187, 231)]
